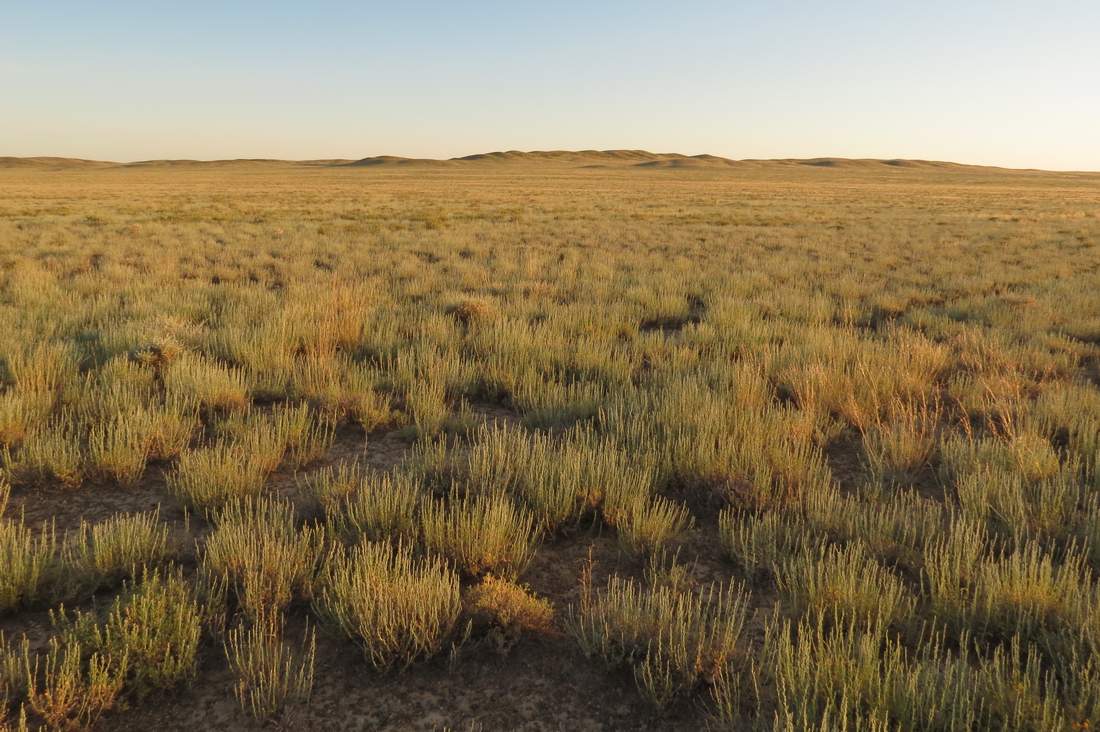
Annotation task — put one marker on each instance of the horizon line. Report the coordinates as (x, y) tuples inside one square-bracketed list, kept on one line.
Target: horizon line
[(639, 156)]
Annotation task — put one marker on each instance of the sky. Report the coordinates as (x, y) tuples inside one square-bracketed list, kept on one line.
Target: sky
[(1003, 83)]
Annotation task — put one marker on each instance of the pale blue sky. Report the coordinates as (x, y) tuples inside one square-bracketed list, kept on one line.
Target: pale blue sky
[(1009, 83)]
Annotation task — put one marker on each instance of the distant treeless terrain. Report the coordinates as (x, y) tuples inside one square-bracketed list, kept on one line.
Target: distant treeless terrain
[(582, 158)]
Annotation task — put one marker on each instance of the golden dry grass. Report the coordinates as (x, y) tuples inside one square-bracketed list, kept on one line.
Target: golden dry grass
[(875, 387)]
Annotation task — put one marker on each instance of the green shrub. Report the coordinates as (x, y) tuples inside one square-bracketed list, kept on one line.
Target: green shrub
[(155, 625)]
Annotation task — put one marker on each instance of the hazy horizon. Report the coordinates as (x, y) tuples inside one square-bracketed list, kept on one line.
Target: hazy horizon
[(993, 83)]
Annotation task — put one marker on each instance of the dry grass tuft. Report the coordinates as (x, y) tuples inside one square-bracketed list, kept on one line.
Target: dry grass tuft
[(399, 609), (674, 641), (271, 678), (267, 560), (510, 607), (480, 534)]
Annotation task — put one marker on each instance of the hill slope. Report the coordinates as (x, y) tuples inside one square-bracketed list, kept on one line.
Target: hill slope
[(562, 158)]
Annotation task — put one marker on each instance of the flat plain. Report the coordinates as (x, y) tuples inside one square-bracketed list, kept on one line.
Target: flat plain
[(549, 441)]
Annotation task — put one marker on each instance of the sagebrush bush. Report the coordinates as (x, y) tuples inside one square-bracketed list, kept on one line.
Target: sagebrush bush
[(44, 367)]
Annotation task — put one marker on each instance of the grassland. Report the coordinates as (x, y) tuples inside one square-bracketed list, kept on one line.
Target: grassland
[(581, 441)]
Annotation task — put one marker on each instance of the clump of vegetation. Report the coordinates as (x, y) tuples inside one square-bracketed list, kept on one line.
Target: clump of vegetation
[(674, 641), (509, 607), (469, 312), (265, 557), (480, 534), (271, 677), (51, 453), (155, 626), (562, 481), (758, 544), (212, 386), (210, 477), (68, 686), (102, 554), (29, 564), (644, 526), (838, 582), (361, 505), (398, 608)]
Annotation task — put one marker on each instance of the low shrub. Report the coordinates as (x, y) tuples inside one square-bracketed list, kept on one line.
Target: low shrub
[(672, 640), (265, 558), (399, 609), (480, 534)]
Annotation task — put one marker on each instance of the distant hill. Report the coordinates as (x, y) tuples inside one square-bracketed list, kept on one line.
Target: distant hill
[(581, 159), (393, 160), (47, 163)]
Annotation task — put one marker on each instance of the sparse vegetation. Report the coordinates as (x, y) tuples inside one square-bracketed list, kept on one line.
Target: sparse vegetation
[(858, 404)]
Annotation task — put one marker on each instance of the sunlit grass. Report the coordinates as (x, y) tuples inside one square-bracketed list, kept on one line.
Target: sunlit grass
[(368, 398)]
